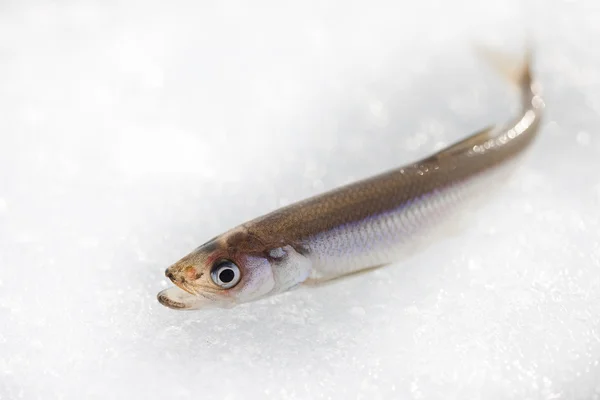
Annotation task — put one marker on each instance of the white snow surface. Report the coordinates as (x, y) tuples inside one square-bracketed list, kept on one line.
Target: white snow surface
[(132, 132)]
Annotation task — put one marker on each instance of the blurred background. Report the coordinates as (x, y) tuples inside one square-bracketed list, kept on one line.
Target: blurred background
[(133, 131)]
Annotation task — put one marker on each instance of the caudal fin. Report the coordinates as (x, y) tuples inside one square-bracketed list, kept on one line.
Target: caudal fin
[(516, 69)]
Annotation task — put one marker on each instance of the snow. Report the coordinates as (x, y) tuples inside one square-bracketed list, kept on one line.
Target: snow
[(132, 132)]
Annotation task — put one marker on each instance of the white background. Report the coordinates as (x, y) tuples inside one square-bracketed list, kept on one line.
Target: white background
[(131, 132)]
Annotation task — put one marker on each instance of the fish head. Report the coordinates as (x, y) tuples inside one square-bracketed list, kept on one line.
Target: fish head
[(231, 269)]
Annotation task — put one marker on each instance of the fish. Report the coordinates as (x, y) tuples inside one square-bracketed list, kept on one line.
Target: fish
[(356, 227)]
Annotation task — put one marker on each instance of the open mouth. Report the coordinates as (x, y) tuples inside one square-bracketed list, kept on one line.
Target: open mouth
[(176, 298), (180, 297), (184, 287), (183, 297)]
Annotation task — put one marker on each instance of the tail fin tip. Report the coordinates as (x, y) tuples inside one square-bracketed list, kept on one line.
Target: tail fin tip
[(515, 69)]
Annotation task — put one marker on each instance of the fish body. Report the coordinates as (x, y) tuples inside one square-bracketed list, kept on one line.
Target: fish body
[(355, 227)]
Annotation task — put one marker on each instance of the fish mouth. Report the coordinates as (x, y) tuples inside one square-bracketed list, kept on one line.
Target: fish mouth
[(183, 286), (178, 299), (165, 298), (184, 297)]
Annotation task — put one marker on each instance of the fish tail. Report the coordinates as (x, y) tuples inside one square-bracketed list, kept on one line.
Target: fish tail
[(517, 70)]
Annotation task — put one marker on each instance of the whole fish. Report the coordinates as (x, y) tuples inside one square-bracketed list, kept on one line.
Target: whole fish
[(353, 228)]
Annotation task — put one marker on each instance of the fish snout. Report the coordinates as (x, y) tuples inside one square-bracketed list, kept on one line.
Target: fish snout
[(181, 276), (169, 274), (182, 273)]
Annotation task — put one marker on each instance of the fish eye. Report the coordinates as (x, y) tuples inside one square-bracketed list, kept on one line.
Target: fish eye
[(225, 274)]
